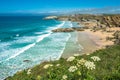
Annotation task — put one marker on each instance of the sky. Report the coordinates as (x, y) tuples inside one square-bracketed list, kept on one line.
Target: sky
[(53, 5)]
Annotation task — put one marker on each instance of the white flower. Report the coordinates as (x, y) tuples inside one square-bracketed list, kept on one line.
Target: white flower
[(72, 69), (95, 58), (81, 62), (29, 71), (76, 54), (57, 64), (90, 65), (70, 58), (47, 66), (87, 54), (64, 77)]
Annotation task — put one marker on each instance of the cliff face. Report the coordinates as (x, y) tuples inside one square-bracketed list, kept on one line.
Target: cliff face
[(112, 21), (106, 20), (117, 37)]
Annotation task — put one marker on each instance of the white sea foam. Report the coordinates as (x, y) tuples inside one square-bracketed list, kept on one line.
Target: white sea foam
[(21, 51), (57, 26), (15, 52), (4, 44), (69, 35), (56, 46), (70, 24), (40, 38), (46, 35), (38, 32), (25, 39), (63, 22), (17, 35)]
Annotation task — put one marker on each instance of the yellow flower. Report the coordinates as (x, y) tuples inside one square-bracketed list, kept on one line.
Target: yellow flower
[(72, 69), (95, 58), (70, 58), (90, 65)]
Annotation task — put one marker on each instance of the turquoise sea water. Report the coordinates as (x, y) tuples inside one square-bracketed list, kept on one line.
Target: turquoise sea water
[(29, 38)]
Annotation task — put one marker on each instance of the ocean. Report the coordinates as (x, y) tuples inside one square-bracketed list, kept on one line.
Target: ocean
[(26, 41)]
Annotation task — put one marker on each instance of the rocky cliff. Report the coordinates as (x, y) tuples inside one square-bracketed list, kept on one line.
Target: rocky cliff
[(107, 20)]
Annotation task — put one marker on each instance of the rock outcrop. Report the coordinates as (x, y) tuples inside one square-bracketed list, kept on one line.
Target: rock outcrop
[(68, 29), (63, 30), (26, 60)]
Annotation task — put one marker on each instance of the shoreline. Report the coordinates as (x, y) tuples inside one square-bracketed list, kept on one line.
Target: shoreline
[(90, 41)]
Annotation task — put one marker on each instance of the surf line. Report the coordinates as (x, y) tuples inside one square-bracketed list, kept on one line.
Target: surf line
[(40, 38)]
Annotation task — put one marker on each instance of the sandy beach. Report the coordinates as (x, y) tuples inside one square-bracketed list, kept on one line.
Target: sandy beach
[(89, 41)]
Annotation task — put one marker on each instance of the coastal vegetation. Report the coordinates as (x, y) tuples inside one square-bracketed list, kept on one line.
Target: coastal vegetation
[(100, 65)]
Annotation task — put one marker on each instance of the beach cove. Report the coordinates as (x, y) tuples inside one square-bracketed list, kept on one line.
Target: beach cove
[(86, 40)]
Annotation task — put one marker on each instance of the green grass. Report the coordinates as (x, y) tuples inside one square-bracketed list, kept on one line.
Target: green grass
[(106, 69)]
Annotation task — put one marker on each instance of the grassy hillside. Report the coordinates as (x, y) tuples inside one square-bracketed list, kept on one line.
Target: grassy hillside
[(85, 67)]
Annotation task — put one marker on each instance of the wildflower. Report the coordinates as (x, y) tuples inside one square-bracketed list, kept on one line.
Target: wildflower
[(78, 72), (70, 59), (38, 77), (81, 62), (47, 66), (76, 54), (95, 58), (87, 54), (90, 65), (64, 77), (29, 71), (72, 69), (57, 64)]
